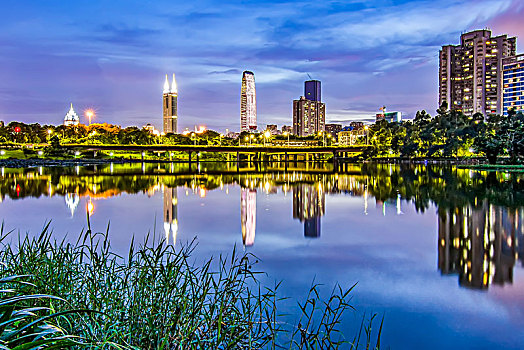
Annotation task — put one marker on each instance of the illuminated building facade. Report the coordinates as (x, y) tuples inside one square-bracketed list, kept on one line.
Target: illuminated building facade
[(170, 106), (470, 74), (248, 102), (480, 244), (170, 214), (309, 202), (333, 129), (513, 79), (309, 113), (248, 215), (71, 118)]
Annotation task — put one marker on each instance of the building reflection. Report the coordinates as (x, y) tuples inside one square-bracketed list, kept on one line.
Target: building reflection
[(308, 206), (170, 214), (480, 243), (72, 200), (248, 215)]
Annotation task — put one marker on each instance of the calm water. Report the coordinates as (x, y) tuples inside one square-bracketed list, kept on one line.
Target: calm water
[(437, 250)]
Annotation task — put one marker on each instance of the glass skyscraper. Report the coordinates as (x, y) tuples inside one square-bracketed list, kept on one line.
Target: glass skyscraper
[(248, 102), (514, 84)]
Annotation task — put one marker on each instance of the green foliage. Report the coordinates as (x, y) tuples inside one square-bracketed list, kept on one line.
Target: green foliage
[(450, 134), (157, 298)]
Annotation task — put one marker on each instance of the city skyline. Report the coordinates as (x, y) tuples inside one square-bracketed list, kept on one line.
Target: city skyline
[(114, 60)]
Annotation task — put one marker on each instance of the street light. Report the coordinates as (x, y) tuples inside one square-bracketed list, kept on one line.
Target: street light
[(246, 139), (366, 128), (286, 134), (251, 137), (220, 139), (89, 114), (267, 135), (193, 138)]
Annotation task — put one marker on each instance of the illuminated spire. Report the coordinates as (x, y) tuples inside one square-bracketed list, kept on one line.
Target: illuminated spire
[(174, 88), (166, 86)]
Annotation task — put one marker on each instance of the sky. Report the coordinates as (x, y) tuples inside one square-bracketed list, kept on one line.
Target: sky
[(113, 56)]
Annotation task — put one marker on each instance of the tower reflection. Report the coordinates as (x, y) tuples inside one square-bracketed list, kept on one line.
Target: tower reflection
[(170, 213), (308, 206), (248, 215), (481, 244)]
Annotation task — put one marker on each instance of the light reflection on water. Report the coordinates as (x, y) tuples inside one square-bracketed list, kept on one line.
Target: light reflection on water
[(394, 229)]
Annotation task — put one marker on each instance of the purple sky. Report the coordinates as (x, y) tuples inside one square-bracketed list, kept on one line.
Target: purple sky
[(113, 55)]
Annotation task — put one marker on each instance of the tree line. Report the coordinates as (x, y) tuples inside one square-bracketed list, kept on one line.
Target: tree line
[(450, 133)]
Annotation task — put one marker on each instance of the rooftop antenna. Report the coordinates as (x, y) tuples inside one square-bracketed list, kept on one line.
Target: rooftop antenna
[(309, 76)]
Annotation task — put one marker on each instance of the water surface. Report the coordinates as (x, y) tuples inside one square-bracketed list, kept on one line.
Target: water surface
[(437, 250)]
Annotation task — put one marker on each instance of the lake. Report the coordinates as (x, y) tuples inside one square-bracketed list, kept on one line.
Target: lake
[(438, 251)]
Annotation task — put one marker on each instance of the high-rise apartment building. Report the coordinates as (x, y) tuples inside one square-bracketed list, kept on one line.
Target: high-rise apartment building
[(309, 113), (170, 106), (470, 74), (248, 102), (513, 80)]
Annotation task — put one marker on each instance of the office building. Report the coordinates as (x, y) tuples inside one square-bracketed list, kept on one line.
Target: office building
[(71, 118), (390, 117), (286, 128), (470, 74), (333, 129), (312, 90), (513, 80), (273, 129), (248, 102), (309, 114), (170, 106)]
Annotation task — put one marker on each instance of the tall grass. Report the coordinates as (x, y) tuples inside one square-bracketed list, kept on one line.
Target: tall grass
[(157, 298)]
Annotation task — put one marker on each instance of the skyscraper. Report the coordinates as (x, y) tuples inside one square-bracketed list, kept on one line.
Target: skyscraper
[(309, 113), (312, 90), (248, 102), (513, 80), (470, 74), (170, 106)]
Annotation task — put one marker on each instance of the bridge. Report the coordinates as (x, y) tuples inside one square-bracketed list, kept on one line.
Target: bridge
[(282, 153)]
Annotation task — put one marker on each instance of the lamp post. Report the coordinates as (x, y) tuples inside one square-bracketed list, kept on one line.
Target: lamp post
[(366, 128), (193, 138), (220, 139), (251, 137), (267, 135), (90, 114), (246, 139), (286, 133)]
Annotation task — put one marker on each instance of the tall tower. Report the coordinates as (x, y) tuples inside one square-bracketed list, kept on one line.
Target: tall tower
[(470, 74), (248, 102), (170, 106)]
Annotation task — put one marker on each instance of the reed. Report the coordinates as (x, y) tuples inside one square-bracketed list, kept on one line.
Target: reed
[(157, 297)]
